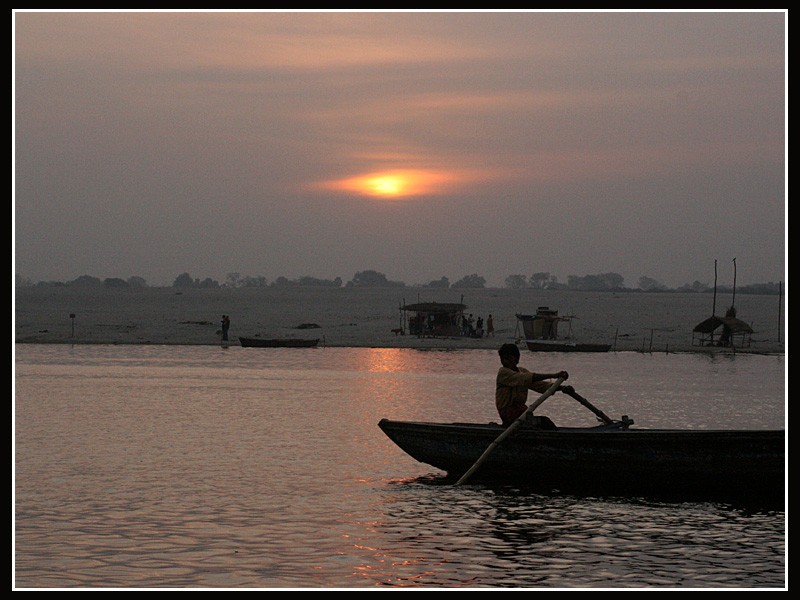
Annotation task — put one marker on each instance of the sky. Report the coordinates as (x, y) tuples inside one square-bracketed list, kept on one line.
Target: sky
[(420, 145)]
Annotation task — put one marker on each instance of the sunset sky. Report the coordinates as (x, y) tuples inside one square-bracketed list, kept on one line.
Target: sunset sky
[(416, 144)]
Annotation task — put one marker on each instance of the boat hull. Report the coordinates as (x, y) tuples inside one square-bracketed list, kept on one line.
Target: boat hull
[(277, 343), (546, 346), (605, 459)]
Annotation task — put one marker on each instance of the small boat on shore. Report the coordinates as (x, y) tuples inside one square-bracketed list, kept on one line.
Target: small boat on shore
[(248, 342), (564, 346), (541, 333), (610, 458)]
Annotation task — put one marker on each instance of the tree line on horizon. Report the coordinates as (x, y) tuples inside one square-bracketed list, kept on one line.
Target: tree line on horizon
[(603, 282)]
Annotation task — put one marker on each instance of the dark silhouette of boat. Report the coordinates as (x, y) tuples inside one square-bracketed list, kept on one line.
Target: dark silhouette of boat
[(610, 458), (250, 342)]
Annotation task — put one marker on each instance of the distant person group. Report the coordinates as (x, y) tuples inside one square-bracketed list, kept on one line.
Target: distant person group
[(476, 330)]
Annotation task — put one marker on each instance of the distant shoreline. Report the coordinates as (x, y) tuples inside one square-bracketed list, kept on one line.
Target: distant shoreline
[(441, 344), (376, 318)]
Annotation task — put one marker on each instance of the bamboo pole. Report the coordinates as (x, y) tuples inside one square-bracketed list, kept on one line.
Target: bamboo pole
[(714, 306), (510, 429)]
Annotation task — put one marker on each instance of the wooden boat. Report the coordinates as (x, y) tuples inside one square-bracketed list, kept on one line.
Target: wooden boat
[(605, 459), (541, 333), (278, 343), (564, 346)]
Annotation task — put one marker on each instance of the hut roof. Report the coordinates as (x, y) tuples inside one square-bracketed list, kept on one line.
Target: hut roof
[(713, 323), (435, 307)]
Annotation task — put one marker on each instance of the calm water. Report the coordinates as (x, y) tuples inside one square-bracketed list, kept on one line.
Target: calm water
[(196, 466)]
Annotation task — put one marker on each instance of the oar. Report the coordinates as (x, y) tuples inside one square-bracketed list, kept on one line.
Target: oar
[(521, 419), (603, 416)]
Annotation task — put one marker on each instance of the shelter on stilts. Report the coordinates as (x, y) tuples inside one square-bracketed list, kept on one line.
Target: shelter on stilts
[(727, 331)]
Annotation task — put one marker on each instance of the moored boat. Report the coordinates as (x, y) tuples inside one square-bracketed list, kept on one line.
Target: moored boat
[(612, 458), (564, 346), (247, 342), (541, 333)]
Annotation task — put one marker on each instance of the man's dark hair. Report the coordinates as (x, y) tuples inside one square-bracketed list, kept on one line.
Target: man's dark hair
[(508, 350)]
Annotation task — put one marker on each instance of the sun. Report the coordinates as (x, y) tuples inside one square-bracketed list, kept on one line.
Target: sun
[(386, 185), (396, 184)]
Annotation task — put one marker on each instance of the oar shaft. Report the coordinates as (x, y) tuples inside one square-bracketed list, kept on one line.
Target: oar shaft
[(603, 416), (519, 421)]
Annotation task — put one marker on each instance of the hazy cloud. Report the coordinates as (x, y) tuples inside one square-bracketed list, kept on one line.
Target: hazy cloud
[(643, 143)]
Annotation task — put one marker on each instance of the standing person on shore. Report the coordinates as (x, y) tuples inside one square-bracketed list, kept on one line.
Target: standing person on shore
[(489, 326), (226, 325), (513, 383)]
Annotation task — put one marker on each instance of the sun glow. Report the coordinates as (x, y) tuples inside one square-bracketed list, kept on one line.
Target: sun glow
[(387, 185), (394, 184)]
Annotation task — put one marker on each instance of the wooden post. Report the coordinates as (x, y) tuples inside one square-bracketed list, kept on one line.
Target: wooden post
[(780, 297)]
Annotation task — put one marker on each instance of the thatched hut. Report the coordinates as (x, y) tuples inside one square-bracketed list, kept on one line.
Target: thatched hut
[(727, 331)]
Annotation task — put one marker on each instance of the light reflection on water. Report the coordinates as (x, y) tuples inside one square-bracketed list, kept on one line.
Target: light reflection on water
[(207, 467)]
